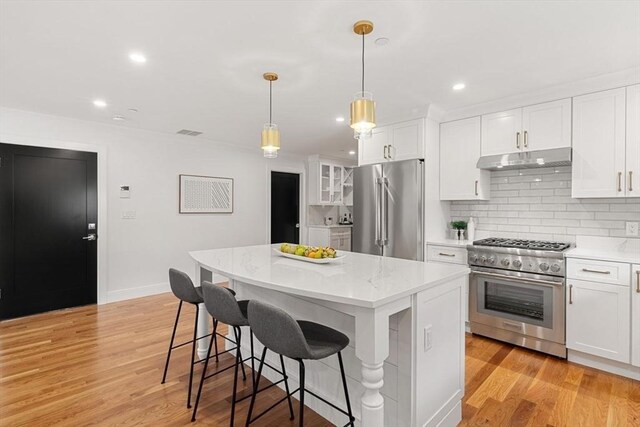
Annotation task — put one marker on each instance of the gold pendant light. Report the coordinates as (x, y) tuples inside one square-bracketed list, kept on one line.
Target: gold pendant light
[(270, 134), (363, 107)]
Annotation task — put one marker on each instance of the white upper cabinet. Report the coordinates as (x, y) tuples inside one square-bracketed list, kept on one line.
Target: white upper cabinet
[(374, 149), (325, 183), (546, 126), (407, 141), (460, 179), (536, 127), (632, 145), (599, 144), (502, 132), (400, 141)]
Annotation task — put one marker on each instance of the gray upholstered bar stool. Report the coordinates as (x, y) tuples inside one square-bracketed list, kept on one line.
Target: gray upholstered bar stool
[(183, 288), (299, 340), (225, 308)]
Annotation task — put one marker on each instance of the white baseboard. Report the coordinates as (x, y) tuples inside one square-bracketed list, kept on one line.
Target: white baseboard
[(611, 366), (137, 292)]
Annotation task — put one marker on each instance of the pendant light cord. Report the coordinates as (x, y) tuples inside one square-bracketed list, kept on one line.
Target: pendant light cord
[(270, 102), (363, 63)]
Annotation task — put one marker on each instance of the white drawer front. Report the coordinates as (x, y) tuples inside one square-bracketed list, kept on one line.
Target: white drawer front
[(615, 273), (446, 254)]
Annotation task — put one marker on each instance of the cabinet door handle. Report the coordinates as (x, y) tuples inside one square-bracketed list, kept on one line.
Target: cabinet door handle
[(445, 254), (638, 281), (518, 140), (588, 270), (570, 294), (526, 139), (476, 187), (385, 151), (390, 152), (630, 180), (619, 181)]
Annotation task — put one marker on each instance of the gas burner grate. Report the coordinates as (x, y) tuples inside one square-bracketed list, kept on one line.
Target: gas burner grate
[(538, 245)]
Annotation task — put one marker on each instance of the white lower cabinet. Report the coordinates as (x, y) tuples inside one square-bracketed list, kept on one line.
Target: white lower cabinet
[(599, 319), (338, 238), (635, 315), (451, 255)]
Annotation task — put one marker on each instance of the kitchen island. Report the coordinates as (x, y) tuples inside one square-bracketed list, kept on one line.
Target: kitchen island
[(405, 362)]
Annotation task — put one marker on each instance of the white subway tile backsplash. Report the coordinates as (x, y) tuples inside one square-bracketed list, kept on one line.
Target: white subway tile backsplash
[(537, 204)]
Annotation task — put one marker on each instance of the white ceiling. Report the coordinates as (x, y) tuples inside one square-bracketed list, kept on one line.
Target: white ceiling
[(206, 59)]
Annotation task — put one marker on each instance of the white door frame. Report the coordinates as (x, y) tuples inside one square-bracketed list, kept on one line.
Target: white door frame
[(303, 199), (101, 151)]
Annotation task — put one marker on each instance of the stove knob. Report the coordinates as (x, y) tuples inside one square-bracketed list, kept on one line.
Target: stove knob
[(517, 263), (505, 262), (483, 259), (555, 268), (474, 257), (492, 260), (544, 266)]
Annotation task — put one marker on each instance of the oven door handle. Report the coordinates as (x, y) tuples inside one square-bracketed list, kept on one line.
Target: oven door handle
[(522, 279)]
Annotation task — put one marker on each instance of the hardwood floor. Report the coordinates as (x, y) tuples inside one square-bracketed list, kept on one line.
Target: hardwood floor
[(102, 365)]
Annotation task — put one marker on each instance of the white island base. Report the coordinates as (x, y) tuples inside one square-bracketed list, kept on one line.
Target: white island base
[(405, 361)]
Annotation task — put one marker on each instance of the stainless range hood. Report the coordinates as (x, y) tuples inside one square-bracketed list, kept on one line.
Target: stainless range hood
[(527, 159)]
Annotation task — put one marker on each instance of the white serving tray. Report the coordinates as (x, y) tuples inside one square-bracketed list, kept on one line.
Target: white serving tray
[(311, 260)]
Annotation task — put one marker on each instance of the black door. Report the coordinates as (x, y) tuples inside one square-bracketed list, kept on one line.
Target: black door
[(48, 207), (285, 207)]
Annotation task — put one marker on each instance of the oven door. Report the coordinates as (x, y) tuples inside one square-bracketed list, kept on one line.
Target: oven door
[(527, 304)]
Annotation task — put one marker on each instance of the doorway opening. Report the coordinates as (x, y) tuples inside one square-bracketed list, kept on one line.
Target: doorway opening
[(285, 207), (49, 229)]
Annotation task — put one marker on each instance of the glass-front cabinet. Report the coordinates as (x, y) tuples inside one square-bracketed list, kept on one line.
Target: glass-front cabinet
[(330, 184), (327, 182)]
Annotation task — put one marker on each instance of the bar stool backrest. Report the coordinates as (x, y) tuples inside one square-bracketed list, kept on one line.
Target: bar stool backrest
[(182, 287), (277, 330), (222, 305)]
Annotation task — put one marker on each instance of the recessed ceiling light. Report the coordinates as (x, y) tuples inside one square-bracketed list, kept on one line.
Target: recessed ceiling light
[(137, 57), (381, 41), (118, 118), (459, 86), (100, 103), (339, 119), (352, 153)]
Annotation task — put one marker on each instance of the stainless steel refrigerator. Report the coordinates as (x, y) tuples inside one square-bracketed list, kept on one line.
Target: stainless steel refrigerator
[(388, 209)]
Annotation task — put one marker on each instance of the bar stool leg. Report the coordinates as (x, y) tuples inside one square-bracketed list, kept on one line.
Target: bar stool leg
[(173, 336), (253, 367), (346, 391), (204, 374), (255, 388), (301, 418), (237, 333), (214, 337), (193, 355), (286, 385)]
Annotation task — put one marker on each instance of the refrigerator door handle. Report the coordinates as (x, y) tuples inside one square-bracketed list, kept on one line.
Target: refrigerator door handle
[(378, 222), (384, 198)]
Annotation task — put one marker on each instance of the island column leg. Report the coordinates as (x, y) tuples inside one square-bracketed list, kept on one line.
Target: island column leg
[(372, 348), (204, 320)]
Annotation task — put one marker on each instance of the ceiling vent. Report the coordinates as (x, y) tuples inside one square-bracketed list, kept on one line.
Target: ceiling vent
[(188, 132)]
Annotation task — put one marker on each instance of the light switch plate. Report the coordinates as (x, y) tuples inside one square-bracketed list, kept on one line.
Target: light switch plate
[(632, 229), (428, 338), (128, 214)]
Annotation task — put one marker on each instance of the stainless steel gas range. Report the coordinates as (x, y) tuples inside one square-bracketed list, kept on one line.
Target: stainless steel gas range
[(517, 292)]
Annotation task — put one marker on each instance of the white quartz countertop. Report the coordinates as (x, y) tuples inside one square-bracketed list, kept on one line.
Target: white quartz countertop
[(358, 279), (449, 242), (332, 226), (606, 249), (632, 257)]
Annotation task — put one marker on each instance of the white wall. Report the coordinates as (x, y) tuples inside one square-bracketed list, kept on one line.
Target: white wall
[(139, 252)]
